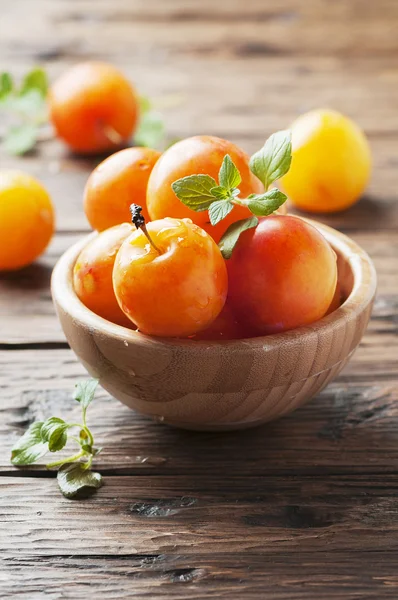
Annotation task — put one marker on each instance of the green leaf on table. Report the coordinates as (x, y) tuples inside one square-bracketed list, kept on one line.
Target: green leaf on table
[(77, 482), (54, 431), (231, 236), (229, 176), (30, 447), (219, 210), (85, 391), (274, 159), (151, 130), (6, 85), (35, 80), (195, 191), (265, 204), (20, 139), (31, 104), (145, 104)]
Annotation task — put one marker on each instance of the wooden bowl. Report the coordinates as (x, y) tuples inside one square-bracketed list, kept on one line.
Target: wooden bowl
[(220, 385)]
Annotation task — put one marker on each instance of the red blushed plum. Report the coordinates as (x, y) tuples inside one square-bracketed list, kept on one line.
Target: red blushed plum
[(225, 327), (282, 275)]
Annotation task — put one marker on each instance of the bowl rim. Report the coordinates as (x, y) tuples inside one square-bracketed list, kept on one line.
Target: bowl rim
[(362, 294)]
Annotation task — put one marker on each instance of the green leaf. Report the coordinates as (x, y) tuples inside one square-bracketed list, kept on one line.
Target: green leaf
[(229, 176), (35, 80), (85, 391), (145, 104), (195, 191), (151, 130), (30, 447), (87, 448), (32, 104), (231, 236), (6, 85), (83, 436), (220, 192), (54, 431), (274, 159), (219, 210), (263, 205), (21, 139), (77, 482)]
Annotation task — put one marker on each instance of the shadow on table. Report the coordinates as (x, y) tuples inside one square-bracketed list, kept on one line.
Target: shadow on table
[(34, 277), (370, 213)]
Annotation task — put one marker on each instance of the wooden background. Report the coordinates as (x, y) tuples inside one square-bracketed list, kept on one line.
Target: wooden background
[(305, 508)]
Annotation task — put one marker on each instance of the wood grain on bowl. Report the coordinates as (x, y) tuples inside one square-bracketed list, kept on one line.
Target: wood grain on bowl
[(220, 385)]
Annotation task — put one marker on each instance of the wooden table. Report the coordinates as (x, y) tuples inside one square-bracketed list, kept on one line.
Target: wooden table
[(304, 508)]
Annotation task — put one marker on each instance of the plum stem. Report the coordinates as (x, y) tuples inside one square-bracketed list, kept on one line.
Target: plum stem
[(139, 221)]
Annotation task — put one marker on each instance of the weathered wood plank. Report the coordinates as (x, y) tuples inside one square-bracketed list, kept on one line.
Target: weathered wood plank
[(284, 576), (349, 427), (288, 28), (252, 94), (232, 513), (304, 508)]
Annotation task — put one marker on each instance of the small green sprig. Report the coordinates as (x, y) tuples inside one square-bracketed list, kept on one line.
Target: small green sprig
[(27, 107), (202, 192), (151, 130), (74, 476)]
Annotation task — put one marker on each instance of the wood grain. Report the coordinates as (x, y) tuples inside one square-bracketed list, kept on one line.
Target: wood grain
[(230, 514), (313, 493), (331, 575)]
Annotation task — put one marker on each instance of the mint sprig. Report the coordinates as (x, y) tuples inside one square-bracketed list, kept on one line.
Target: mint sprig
[(151, 128), (75, 478), (6, 85), (274, 159), (231, 236), (201, 192), (27, 107), (265, 204), (219, 210), (195, 191), (229, 176)]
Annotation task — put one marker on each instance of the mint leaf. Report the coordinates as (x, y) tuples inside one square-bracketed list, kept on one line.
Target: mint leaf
[(19, 140), (229, 176), (195, 191), (30, 447), (54, 431), (274, 159), (263, 205), (145, 104), (219, 210), (85, 391), (32, 104), (151, 130), (231, 236), (6, 85), (77, 482), (220, 192), (35, 80)]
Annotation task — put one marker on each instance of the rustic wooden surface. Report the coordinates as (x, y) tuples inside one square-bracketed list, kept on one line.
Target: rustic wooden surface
[(304, 508)]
